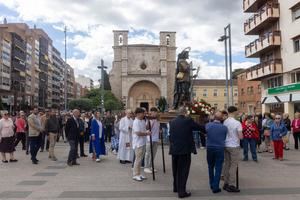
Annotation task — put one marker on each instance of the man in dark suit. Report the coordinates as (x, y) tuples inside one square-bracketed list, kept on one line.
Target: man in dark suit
[(72, 133), (181, 146)]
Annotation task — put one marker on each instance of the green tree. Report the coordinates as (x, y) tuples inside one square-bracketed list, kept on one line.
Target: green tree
[(162, 104), (82, 104), (110, 101), (106, 81)]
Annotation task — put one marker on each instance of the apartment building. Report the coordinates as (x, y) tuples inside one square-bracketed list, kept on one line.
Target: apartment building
[(85, 82), (249, 94), (32, 71), (70, 83), (213, 91), (277, 24)]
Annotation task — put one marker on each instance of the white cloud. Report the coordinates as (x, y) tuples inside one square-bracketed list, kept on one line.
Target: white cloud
[(198, 24)]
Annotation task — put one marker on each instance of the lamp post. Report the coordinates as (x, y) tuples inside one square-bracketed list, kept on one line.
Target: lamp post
[(102, 67), (224, 38)]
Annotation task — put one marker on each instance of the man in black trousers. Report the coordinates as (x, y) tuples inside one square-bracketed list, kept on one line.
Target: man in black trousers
[(181, 146), (72, 133)]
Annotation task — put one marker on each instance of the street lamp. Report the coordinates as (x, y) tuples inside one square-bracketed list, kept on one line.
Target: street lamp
[(224, 38), (102, 67)]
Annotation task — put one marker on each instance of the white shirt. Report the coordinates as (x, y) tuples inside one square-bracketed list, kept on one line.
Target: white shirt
[(138, 126), (154, 131), (234, 127)]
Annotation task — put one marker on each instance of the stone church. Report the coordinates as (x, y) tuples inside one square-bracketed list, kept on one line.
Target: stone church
[(142, 73)]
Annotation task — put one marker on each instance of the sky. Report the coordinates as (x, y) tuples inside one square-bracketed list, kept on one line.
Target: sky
[(198, 24)]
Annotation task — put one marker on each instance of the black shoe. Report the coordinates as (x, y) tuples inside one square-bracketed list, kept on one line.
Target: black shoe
[(225, 186), (13, 160), (35, 162), (255, 160), (4, 161), (42, 150), (83, 155), (27, 152), (245, 159), (127, 161), (77, 156), (75, 163), (122, 161), (184, 195), (216, 191), (232, 189), (70, 164)]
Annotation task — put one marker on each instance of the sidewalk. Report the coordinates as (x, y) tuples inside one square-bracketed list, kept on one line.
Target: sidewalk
[(267, 179)]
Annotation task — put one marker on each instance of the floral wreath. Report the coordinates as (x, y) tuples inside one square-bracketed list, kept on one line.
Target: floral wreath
[(199, 108)]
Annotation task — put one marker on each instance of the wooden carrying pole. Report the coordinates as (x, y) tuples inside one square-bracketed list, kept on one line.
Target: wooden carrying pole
[(151, 149)]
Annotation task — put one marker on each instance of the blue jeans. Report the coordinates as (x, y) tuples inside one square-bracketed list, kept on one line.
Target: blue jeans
[(215, 159), (252, 143), (35, 144)]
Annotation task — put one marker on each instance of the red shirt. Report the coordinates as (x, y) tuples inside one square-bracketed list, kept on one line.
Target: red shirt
[(21, 125), (250, 130)]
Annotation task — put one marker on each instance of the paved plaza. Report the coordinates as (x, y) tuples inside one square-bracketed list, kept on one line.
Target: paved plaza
[(108, 179)]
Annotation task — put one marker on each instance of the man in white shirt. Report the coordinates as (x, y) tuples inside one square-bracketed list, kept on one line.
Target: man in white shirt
[(232, 149), (155, 128), (139, 136)]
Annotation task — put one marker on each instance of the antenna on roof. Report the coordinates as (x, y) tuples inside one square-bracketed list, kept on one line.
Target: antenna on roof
[(4, 20)]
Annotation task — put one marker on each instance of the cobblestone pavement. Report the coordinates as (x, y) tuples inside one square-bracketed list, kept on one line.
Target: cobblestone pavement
[(267, 179)]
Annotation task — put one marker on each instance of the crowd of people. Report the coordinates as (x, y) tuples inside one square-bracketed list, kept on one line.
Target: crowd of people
[(128, 134)]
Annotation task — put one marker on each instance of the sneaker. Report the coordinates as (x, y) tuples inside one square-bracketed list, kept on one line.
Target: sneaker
[(114, 152), (137, 178), (148, 170), (202, 147), (143, 177), (98, 160)]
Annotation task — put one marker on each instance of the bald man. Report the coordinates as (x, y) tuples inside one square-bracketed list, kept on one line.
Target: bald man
[(181, 147), (216, 136), (72, 133)]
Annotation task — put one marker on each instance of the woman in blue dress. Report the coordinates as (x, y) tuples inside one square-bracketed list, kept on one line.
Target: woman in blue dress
[(97, 144)]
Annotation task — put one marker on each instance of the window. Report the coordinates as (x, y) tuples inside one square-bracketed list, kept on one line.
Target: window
[(295, 77), (215, 92), (275, 82), (259, 89), (235, 92), (168, 40), (296, 12), (296, 45), (205, 92), (242, 91), (120, 39)]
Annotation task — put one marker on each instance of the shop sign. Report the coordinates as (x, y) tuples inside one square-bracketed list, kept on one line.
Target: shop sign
[(283, 89)]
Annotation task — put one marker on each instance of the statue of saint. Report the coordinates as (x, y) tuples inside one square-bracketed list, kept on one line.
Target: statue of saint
[(183, 79)]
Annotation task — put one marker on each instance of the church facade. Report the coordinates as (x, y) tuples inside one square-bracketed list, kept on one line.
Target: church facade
[(142, 73)]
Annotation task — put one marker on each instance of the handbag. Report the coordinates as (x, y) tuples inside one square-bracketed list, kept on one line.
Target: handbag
[(285, 139)]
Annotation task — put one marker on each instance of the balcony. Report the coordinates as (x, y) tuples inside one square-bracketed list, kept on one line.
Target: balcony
[(263, 44), (264, 70), (252, 5), (268, 14), (18, 66)]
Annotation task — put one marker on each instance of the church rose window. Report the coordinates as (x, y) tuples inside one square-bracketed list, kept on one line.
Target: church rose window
[(143, 65)]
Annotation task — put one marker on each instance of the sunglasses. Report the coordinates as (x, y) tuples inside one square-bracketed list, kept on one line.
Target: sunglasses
[(277, 118)]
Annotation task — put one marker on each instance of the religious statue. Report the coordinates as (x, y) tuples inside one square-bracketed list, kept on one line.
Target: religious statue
[(182, 93)]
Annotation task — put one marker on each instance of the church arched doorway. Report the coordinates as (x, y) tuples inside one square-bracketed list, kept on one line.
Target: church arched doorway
[(143, 94)]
